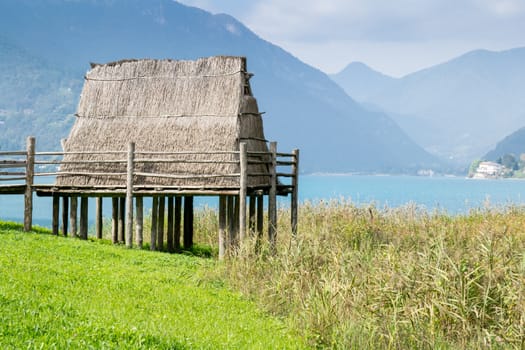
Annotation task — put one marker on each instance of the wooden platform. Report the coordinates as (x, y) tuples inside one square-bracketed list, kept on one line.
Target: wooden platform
[(13, 189)]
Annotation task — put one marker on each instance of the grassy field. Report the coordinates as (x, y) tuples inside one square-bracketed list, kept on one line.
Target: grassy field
[(58, 293), (353, 278)]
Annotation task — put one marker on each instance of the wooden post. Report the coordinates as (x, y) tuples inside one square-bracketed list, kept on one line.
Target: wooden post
[(222, 226), (252, 219), (170, 225), (176, 231), (236, 220), (188, 222), (243, 189), (114, 219), (65, 215), (129, 195), (56, 208), (260, 221), (73, 216), (230, 222), (295, 192), (139, 203), (160, 224), (260, 215), (154, 217), (121, 224), (98, 217), (84, 217), (28, 194), (272, 197)]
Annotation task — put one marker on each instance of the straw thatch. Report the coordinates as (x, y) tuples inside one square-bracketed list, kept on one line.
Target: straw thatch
[(166, 106)]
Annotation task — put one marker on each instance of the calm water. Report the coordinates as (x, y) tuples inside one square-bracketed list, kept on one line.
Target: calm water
[(454, 195)]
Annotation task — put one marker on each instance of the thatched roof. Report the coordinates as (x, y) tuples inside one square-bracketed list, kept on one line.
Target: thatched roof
[(166, 106)]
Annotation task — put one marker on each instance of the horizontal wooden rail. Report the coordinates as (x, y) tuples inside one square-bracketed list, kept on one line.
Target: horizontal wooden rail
[(12, 178), (12, 173), (13, 153), (73, 173), (185, 177), (187, 153), (176, 161)]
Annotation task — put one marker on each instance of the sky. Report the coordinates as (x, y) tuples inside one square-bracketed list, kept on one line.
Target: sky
[(395, 37)]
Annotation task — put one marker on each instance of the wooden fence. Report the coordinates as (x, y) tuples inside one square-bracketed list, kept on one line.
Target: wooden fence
[(18, 170)]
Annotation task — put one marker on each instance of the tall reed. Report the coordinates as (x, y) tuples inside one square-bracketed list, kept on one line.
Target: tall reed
[(368, 277)]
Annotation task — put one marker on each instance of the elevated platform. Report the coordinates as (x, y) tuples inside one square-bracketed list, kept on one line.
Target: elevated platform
[(13, 189)]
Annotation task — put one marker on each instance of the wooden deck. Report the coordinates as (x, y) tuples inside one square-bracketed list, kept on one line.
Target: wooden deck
[(12, 189)]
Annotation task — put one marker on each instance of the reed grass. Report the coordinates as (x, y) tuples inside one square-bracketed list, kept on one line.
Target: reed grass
[(368, 277)]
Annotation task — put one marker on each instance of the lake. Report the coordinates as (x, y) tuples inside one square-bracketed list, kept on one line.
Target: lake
[(455, 195)]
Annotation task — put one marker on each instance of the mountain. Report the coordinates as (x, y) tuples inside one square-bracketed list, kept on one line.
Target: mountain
[(458, 109), (360, 81), (35, 98), (305, 109), (512, 144)]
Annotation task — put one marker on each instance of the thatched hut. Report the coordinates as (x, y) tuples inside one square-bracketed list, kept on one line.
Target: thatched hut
[(186, 121), (166, 106)]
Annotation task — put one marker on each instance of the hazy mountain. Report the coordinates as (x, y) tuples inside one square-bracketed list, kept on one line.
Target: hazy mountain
[(512, 144), (458, 109), (35, 98), (305, 109), (360, 81)]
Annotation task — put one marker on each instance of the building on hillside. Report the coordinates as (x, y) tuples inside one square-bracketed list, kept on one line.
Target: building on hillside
[(489, 170)]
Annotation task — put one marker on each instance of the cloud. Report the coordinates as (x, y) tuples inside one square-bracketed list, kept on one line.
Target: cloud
[(331, 33)]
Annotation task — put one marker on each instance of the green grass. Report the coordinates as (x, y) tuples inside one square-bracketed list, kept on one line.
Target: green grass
[(58, 293)]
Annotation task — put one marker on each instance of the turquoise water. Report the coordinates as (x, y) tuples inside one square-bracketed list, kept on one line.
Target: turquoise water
[(451, 194)]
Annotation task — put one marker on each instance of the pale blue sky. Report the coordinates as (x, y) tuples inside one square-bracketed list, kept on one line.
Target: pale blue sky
[(395, 37)]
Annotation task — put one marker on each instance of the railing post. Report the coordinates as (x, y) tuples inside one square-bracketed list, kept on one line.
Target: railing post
[(243, 191), (295, 191), (28, 195), (129, 195), (272, 197)]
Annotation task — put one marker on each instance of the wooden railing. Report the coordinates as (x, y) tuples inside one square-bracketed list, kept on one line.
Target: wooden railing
[(22, 167)]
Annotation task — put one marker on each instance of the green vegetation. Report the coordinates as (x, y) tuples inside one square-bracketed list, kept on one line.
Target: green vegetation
[(355, 277), (58, 293), (403, 278)]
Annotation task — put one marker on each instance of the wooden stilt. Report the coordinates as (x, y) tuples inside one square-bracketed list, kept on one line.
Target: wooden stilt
[(188, 222), (28, 195), (129, 195), (56, 208), (222, 225), (154, 217), (114, 219), (176, 229), (294, 199), (252, 219), (169, 234), (73, 216), (65, 215), (121, 220), (260, 221), (230, 218), (236, 220), (139, 204), (160, 224), (272, 197), (84, 217), (98, 217), (243, 155)]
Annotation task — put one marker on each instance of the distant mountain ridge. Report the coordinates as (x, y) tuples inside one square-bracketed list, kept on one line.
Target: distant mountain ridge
[(305, 109), (512, 144), (459, 109)]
